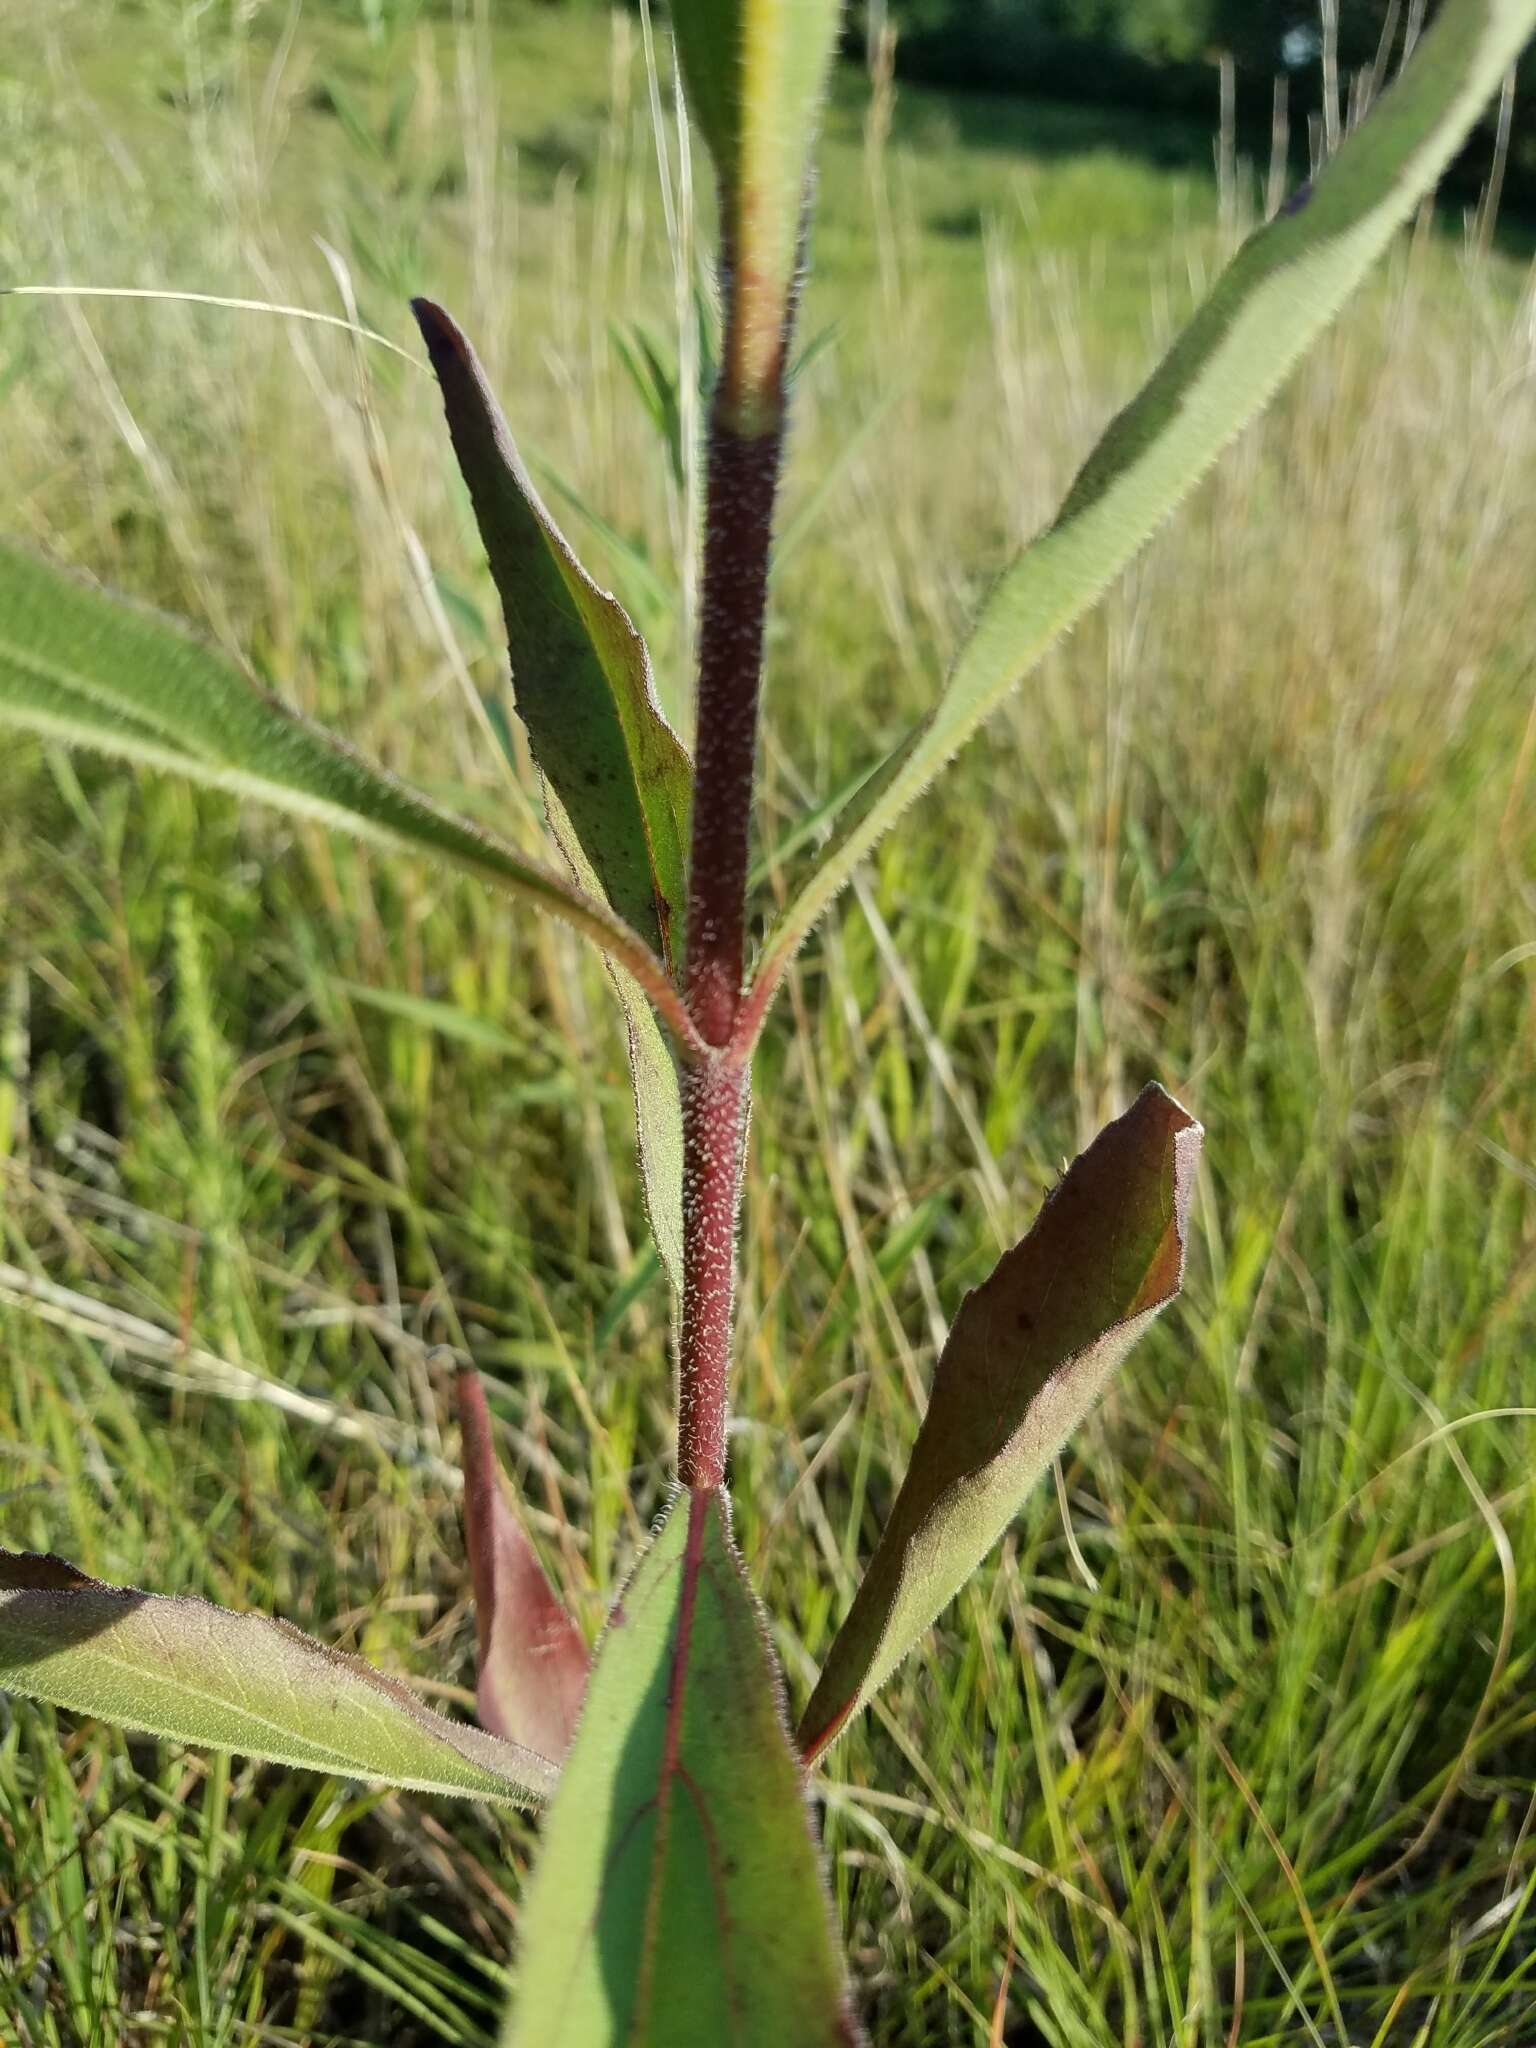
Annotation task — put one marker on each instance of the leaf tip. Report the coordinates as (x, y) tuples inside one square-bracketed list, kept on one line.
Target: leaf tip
[(1160, 1122), (815, 1742), (438, 330)]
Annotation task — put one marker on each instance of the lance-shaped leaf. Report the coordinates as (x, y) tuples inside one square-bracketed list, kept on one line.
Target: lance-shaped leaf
[(196, 1673), (618, 783), (91, 670), (678, 1898), (1281, 290), (580, 670), (755, 72), (1030, 1352), (532, 1662)]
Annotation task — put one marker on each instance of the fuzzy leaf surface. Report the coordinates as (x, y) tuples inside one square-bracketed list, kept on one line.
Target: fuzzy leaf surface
[(678, 1899), (1283, 287), (91, 670), (1030, 1352), (580, 670), (196, 1673), (532, 1662)]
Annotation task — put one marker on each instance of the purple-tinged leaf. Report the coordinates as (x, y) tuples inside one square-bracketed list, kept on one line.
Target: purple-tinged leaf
[(1030, 1352), (196, 1673), (532, 1662)]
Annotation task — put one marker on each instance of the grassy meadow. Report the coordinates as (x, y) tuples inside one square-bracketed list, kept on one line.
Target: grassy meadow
[(1235, 1740)]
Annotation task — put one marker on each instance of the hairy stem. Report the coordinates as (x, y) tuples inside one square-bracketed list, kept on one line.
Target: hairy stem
[(743, 479), (745, 450), (715, 1095)]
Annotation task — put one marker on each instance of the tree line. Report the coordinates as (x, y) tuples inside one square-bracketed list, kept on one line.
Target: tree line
[(1166, 56)]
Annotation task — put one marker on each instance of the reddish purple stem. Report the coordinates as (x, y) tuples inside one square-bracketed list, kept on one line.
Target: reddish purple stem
[(714, 1129), (743, 479)]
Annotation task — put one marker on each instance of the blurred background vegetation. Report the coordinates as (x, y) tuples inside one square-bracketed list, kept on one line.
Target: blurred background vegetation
[(1233, 1745), (1167, 54)]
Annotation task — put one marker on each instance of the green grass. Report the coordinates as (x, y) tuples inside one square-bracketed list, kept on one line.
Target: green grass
[(1241, 1748)]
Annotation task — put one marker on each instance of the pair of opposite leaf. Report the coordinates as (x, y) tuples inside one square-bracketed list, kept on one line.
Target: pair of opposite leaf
[(80, 668), (679, 1798), (1029, 1352)]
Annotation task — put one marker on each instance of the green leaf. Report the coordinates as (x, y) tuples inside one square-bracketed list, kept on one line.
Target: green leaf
[(618, 784), (678, 1900), (648, 589), (755, 72), (531, 1661), (1282, 289), (580, 670), (91, 670), (200, 1674), (1029, 1353)]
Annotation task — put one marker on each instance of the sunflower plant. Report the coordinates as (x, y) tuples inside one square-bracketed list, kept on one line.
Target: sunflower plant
[(678, 1899)]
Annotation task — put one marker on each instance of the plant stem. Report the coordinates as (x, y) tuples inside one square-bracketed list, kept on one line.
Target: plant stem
[(745, 448), (714, 1128), (743, 479)]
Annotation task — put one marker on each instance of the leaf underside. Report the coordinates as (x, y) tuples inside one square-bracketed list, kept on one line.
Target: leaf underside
[(1281, 290), (195, 1673), (678, 1899), (1030, 1351), (92, 670), (532, 1662)]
